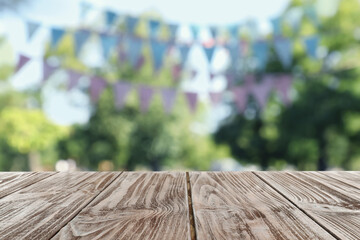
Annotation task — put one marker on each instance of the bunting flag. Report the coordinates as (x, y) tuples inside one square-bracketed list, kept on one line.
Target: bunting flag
[(176, 72), (283, 85), (249, 81), (283, 48), (134, 50), (80, 37), (233, 31), (158, 49), (73, 79), (108, 42), (173, 28), (110, 18), (154, 26), (240, 97), (195, 31), (234, 51), (48, 70), (215, 97), (276, 24), (131, 23), (261, 92), (184, 52), (311, 44), (31, 27), (260, 50), (230, 79), (84, 9), (23, 60), (121, 90), (209, 52), (97, 86), (214, 31), (145, 95), (192, 100), (56, 36), (140, 62), (294, 17), (168, 97)]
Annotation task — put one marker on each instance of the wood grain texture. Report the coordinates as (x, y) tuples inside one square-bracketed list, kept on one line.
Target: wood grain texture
[(13, 181), (41, 209), (238, 205), (332, 203), (137, 205), (348, 177)]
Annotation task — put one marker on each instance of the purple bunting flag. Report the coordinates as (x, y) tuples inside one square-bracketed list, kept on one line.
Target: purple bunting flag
[(145, 95), (192, 99), (283, 86), (215, 97), (311, 44), (261, 92), (283, 48), (23, 60), (97, 86), (80, 37), (48, 70), (168, 97), (121, 90), (56, 36), (240, 97), (108, 43), (158, 49), (73, 79), (32, 27)]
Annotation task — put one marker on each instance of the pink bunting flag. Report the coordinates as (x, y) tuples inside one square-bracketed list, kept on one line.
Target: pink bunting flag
[(249, 81), (261, 92), (73, 79), (48, 70), (97, 86), (168, 97), (23, 60), (145, 95), (176, 72), (230, 78), (121, 90), (215, 97), (240, 97), (192, 99), (283, 86)]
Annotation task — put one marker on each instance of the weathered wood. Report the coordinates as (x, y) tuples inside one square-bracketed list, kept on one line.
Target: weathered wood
[(41, 209), (238, 205), (332, 203), (348, 177), (137, 205), (13, 181)]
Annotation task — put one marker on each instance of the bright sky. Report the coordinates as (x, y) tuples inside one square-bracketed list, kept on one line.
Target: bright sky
[(59, 104)]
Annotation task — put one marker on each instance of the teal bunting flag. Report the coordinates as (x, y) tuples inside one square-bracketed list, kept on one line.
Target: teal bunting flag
[(80, 37), (209, 52), (56, 36), (131, 23), (234, 31), (173, 28), (311, 43), (108, 43), (158, 49), (184, 52), (195, 31), (154, 26), (283, 48), (134, 48), (32, 27), (276, 24), (214, 31), (261, 52), (110, 17)]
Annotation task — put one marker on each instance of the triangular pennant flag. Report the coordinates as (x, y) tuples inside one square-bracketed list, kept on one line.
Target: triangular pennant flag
[(234, 51), (213, 31), (131, 23), (195, 31), (97, 86), (215, 97), (311, 44), (121, 90), (230, 79), (84, 9), (184, 52), (32, 27), (108, 42), (56, 36), (80, 37), (134, 50), (283, 48), (249, 81), (23, 60), (240, 97), (276, 24), (173, 30), (234, 31), (110, 18), (176, 72), (145, 95), (192, 99), (293, 17), (73, 79), (158, 49), (261, 49), (261, 92), (154, 28), (283, 85), (140, 62), (48, 70), (209, 52), (168, 97)]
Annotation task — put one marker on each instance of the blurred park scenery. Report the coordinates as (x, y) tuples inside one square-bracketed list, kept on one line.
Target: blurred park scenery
[(98, 87)]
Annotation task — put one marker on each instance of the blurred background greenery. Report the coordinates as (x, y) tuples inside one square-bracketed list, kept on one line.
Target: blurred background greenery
[(320, 130)]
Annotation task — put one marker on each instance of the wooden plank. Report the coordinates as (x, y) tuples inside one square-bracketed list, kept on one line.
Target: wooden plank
[(332, 203), (349, 177), (238, 205), (13, 181), (41, 209), (137, 205)]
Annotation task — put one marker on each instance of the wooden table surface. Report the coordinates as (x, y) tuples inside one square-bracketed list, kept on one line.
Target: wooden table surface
[(180, 205)]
